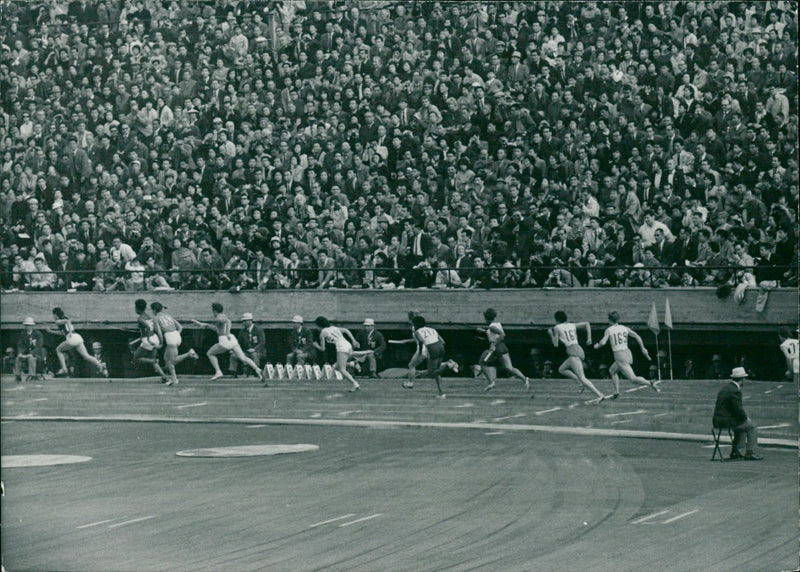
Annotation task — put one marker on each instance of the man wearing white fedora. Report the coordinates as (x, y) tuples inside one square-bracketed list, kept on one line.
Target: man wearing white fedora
[(729, 414)]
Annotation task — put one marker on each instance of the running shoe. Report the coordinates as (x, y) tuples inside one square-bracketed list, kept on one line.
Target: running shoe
[(654, 385), (527, 383), (408, 385), (489, 387), (216, 376), (441, 396), (355, 388), (193, 354)]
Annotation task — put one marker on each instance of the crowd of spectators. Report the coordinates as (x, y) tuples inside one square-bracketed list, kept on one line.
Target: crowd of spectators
[(152, 144)]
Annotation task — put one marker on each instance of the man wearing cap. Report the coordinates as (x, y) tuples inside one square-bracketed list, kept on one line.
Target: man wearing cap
[(30, 348), (729, 414), (371, 339), (252, 341), (300, 343)]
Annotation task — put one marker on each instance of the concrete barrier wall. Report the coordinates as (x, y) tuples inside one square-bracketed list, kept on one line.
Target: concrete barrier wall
[(697, 308)]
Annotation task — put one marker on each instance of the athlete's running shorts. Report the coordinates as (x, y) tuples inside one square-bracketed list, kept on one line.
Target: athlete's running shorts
[(172, 338), (74, 340), (435, 351), (494, 353), (151, 342), (623, 357), (228, 342), (575, 351)]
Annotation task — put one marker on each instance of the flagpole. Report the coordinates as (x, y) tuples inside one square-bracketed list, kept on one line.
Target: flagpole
[(658, 358), (669, 342)]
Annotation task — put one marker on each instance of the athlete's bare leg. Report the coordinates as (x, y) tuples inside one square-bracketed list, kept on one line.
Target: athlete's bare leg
[(514, 371), (628, 372), (341, 366), (212, 354), (237, 351), (574, 365)]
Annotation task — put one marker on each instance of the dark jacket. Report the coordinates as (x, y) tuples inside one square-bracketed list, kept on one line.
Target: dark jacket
[(254, 339), (728, 411), (375, 342), (301, 340), (30, 343)]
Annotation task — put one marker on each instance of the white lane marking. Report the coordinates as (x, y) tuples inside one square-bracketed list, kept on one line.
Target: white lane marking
[(316, 415), (464, 405), (518, 415), (131, 521), (19, 388), (674, 518), (40, 399), (547, 411), (498, 401), (621, 421), (637, 412), (495, 433), (775, 426), (360, 520), (316, 524), (95, 523), (637, 388), (661, 414), (768, 391), (346, 413), (779, 386), (188, 405), (646, 518), (255, 426)]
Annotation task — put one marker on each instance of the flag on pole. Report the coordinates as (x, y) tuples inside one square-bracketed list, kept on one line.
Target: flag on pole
[(652, 321), (667, 316)]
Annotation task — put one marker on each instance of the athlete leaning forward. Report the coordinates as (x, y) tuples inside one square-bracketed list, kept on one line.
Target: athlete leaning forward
[(433, 345), (149, 342), (226, 342), (497, 352), (345, 348), (618, 335), (566, 333), (168, 330), (73, 341)]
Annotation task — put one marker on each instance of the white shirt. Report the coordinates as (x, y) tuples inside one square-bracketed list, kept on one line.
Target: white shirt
[(618, 337), (494, 336), (790, 348), (567, 333), (427, 335)]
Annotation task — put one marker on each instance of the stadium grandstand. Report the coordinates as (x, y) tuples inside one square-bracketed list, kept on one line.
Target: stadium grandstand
[(155, 145)]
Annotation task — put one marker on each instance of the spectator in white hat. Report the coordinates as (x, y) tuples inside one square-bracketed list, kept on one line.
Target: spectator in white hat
[(300, 343), (30, 349), (371, 339), (729, 414), (252, 341)]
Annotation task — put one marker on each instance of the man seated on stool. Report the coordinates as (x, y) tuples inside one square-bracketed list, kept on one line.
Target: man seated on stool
[(729, 414), (30, 348)]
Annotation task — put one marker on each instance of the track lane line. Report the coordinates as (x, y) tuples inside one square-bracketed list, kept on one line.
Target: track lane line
[(131, 521), (316, 524), (674, 518), (646, 518), (95, 523), (360, 520)]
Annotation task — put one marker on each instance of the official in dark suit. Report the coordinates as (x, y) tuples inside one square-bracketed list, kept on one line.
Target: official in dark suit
[(252, 341), (729, 414), (371, 339), (300, 343), (30, 349)]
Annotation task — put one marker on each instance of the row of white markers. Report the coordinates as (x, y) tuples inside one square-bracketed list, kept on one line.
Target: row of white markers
[(281, 371)]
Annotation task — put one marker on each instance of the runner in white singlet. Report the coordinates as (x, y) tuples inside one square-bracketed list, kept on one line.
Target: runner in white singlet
[(497, 352), (330, 334), (226, 342), (433, 345), (420, 354), (791, 351), (169, 333), (149, 342), (566, 333), (72, 341), (618, 335)]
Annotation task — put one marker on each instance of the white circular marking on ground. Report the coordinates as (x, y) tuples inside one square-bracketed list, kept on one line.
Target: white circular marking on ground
[(248, 450), (15, 461)]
